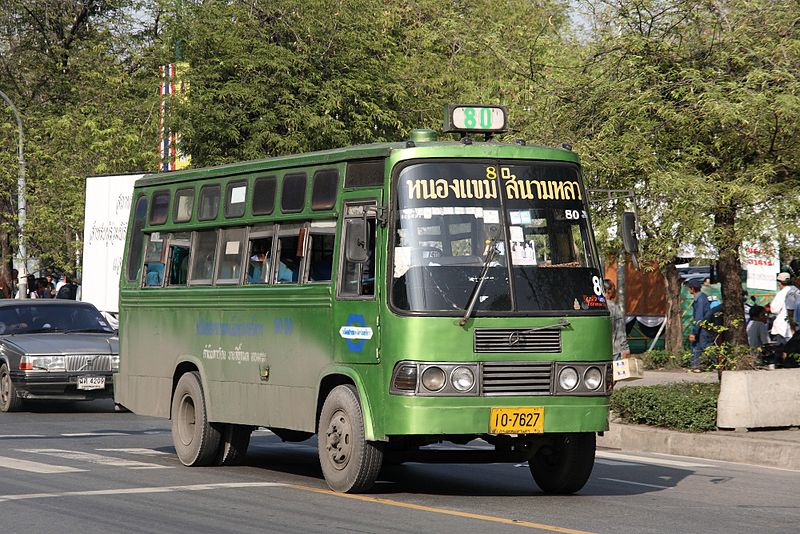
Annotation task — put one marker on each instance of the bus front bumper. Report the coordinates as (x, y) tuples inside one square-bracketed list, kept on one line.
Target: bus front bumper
[(410, 415)]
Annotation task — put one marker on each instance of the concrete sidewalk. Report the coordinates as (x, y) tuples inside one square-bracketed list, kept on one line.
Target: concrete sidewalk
[(770, 448)]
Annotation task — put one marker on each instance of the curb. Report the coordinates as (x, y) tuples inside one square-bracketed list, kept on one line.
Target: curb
[(733, 447)]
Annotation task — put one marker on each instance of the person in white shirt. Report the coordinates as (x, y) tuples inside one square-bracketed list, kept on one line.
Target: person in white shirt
[(778, 307)]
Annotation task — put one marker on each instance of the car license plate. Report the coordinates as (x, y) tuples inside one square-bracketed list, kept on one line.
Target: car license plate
[(517, 420), (91, 382)]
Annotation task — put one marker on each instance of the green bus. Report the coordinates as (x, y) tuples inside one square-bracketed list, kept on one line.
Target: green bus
[(394, 299)]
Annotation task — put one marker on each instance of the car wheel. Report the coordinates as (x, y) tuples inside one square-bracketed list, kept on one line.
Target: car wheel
[(9, 400), (349, 462), (196, 440), (564, 465), (234, 440)]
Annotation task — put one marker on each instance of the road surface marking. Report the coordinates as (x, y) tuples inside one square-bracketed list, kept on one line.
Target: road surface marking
[(636, 483), (139, 491), (444, 511), (92, 434), (35, 467), (143, 452), (647, 460), (96, 458)]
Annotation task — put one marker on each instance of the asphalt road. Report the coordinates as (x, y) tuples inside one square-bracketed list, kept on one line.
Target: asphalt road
[(83, 468)]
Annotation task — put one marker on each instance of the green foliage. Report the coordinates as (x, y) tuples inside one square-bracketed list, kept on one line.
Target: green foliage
[(683, 406), (663, 359)]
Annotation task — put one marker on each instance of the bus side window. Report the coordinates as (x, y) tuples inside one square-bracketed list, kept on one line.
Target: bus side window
[(179, 265), (358, 279), (230, 254), (289, 261), (204, 245), (323, 237), (154, 261), (258, 265)]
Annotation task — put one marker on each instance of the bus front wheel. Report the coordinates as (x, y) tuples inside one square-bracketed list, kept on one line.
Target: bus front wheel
[(564, 465), (349, 462), (196, 440)]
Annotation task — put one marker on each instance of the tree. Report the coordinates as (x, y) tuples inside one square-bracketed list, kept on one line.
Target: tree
[(694, 104), (79, 73)]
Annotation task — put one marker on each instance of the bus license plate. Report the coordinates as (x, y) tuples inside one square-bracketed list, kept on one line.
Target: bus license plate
[(91, 382), (517, 420)]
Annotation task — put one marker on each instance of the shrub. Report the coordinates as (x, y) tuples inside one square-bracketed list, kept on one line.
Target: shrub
[(662, 359), (683, 406)]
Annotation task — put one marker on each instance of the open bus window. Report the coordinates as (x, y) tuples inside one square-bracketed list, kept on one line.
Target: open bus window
[(289, 255), (258, 268), (323, 237), (154, 261), (231, 248), (358, 279), (202, 265)]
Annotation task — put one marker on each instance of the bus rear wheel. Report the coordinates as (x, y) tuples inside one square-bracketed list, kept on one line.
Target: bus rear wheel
[(349, 462), (234, 441), (9, 400), (564, 465), (196, 440)]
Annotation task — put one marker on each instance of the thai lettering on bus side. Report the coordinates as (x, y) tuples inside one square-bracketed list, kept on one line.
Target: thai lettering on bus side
[(208, 328), (481, 188), (283, 326)]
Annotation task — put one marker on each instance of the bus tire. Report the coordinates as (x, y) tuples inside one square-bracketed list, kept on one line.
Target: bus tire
[(349, 462), (9, 400), (196, 440), (233, 444), (564, 465)]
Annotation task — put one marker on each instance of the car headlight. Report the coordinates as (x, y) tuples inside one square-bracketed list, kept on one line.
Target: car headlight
[(115, 362), (433, 378), (592, 378), (568, 378), (462, 378), (42, 363)]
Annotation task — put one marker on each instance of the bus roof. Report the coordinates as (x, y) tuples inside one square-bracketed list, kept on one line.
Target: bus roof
[(477, 149)]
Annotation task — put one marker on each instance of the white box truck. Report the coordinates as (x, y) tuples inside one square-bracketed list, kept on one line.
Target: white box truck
[(108, 205)]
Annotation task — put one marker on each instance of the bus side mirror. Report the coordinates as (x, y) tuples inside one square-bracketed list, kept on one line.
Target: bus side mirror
[(629, 239), (356, 245)]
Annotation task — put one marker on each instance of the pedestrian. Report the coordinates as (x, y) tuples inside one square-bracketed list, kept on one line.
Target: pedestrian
[(758, 335), (699, 339), (779, 308), (619, 337), (68, 290), (5, 289)]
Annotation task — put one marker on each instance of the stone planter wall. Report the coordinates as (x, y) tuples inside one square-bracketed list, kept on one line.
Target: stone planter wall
[(759, 399)]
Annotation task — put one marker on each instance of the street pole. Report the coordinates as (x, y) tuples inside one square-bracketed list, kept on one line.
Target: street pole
[(22, 286)]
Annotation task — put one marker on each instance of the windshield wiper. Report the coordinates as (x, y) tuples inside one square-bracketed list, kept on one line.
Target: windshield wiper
[(562, 323), (88, 331), (41, 330), (479, 283)]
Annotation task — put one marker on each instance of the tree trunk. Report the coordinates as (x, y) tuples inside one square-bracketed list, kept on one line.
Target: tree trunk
[(6, 259), (673, 335), (729, 244)]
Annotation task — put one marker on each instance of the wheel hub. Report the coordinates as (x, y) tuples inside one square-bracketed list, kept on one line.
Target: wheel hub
[(338, 440)]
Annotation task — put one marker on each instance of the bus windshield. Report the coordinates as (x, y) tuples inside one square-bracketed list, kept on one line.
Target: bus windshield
[(447, 210)]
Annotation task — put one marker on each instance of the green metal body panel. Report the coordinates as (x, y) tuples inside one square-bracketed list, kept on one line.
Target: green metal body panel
[(264, 351)]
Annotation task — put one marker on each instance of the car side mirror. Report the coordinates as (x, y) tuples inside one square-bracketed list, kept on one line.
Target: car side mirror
[(356, 245)]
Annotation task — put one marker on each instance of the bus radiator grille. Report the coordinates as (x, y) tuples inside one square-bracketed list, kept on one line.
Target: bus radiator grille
[(516, 340), (516, 378)]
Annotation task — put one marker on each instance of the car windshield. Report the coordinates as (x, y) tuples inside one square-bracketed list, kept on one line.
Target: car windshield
[(446, 213), (47, 318)]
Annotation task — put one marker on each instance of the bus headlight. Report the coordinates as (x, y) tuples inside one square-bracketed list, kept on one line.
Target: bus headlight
[(433, 378), (592, 378), (463, 379), (568, 378)]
